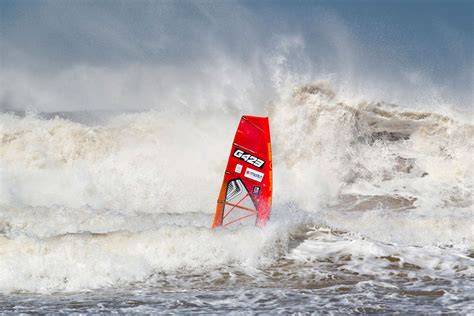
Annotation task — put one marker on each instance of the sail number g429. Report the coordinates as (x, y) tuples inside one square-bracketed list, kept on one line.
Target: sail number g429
[(249, 158)]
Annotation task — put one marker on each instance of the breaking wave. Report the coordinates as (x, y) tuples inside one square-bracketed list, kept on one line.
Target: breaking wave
[(363, 189)]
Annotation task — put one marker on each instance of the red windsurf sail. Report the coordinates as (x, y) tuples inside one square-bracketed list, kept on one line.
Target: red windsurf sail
[(246, 192)]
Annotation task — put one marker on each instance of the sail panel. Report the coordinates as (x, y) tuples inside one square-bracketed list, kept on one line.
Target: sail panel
[(246, 190)]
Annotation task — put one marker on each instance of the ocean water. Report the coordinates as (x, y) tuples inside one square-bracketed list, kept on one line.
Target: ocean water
[(111, 212)]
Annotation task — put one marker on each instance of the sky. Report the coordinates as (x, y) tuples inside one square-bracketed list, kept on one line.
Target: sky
[(134, 55)]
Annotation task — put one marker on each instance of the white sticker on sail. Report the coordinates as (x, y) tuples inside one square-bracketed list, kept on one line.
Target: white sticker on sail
[(253, 174), (238, 168)]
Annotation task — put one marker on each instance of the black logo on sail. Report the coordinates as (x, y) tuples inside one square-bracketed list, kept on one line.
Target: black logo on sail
[(248, 158)]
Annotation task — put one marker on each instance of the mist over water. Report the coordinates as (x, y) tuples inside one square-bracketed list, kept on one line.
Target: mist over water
[(197, 57), (113, 144)]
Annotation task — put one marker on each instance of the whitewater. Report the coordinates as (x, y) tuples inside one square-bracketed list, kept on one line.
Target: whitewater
[(373, 211)]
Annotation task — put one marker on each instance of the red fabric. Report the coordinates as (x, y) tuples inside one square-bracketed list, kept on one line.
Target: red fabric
[(253, 140)]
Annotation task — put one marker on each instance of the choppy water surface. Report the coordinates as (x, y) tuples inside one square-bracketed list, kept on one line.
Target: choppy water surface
[(372, 212)]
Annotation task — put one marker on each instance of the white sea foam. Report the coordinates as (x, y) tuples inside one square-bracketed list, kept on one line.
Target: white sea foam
[(87, 206)]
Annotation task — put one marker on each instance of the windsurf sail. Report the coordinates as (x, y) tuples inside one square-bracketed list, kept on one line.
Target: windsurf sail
[(246, 191)]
